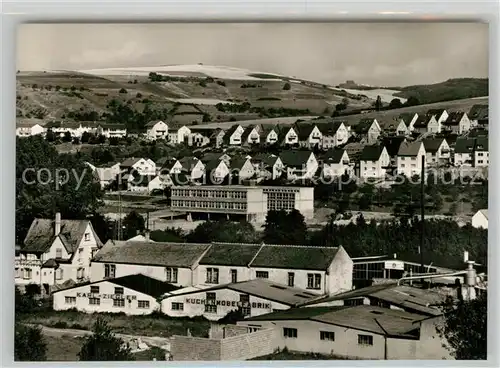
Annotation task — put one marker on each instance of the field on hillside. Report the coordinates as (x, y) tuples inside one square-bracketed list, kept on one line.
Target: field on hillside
[(52, 95)]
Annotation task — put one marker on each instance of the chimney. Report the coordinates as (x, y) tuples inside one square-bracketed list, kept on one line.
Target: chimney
[(57, 226)]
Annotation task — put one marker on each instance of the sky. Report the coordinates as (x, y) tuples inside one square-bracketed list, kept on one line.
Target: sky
[(383, 54)]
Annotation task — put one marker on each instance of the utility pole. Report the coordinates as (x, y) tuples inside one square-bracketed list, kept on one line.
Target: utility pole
[(422, 210)]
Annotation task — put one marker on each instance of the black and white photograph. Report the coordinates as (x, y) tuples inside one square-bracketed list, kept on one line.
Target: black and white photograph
[(251, 191)]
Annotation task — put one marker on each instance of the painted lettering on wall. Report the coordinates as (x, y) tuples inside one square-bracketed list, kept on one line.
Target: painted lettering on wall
[(228, 303), (106, 296)]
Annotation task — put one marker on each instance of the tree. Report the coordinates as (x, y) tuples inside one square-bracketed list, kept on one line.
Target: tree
[(134, 224), (378, 104), (168, 235), (102, 226), (287, 86), (206, 118), (67, 137), (50, 136), (285, 228), (103, 345), (412, 101), (29, 344), (38, 192), (123, 90), (223, 231), (395, 103), (86, 137), (465, 328), (76, 140)]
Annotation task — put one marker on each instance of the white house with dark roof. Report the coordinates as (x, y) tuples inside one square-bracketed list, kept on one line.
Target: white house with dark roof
[(334, 133), (409, 158), (360, 332), (409, 119), (440, 115), (269, 134), (457, 123), (335, 163), (143, 166), (242, 168), (193, 167), (132, 294), (178, 134), (309, 135), (56, 251), (232, 136), (168, 262), (427, 124), (268, 163), (437, 150), (373, 162), (251, 297), (251, 135), (480, 219), (288, 136), (299, 164), (156, 130), (368, 130)]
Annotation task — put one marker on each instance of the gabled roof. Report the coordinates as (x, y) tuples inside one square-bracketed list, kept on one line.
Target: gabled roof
[(294, 257), (138, 282), (304, 130), (435, 112), (246, 133), (479, 112), (422, 121), (484, 212), (169, 163), (153, 123), (212, 165), (363, 126), (378, 320), (371, 153), (29, 123), (41, 236), (188, 163), (481, 144), (267, 128), (151, 253), (131, 161), (409, 149), (407, 117), (333, 156), (329, 127), (267, 159), (295, 158), (454, 118), (231, 130), (432, 145), (392, 144), (238, 162), (230, 254), (421, 301), (113, 126), (464, 145), (211, 156)]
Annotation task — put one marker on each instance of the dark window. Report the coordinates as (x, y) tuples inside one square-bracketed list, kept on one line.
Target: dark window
[(171, 274), (327, 335), (353, 302), (178, 306), (119, 290), (94, 289), (94, 301), (210, 306), (290, 332), (212, 276), (245, 308), (143, 304), (118, 302), (365, 340), (291, 279), (314, 281), (234, 276), (109, 271), (262, 274)]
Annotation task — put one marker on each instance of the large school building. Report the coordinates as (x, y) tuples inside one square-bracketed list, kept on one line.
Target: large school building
[(249, 202)]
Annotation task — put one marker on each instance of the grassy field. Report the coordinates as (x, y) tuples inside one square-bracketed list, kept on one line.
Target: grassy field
[(65, 348), (52, 95), (295, 355), (151, 325)]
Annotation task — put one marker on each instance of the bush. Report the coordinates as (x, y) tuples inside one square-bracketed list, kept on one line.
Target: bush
[(60, 324), (138, 95), (287, 87), (221, 83), (123, 90)]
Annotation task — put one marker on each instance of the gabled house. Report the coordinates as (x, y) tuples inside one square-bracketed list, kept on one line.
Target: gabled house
[(401, 129), (457, 123), (309, 135), (409, 119), (480, 219), (436, 150), (427, 124), (193, 167), (463, 152), (232, 137), (251, 135), (334, 134), (269, 134), (368, 130), (156, 130), (111, 130), (409, 159), (481, 153), (242, 168), (29, 128), (478, 115), (216, 171), (440, 114), (299, 164), (140, 183), (211, 156), (268, 163), (56, 251), (335, 162), (169, 166), (178, 134), (373, 162), (288, 136), (142, 166), (200, 137)]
